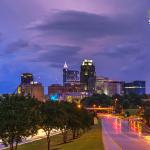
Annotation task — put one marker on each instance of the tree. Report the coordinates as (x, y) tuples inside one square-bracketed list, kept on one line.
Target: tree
[(17, 119), (97, 99), (147, 113), (134, 100), (74, 121), (52, 117), (64, 116), (78, 118), (86, 119), (126, 104)]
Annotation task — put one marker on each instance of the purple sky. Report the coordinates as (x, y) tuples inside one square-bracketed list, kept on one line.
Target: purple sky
[(38, 36)]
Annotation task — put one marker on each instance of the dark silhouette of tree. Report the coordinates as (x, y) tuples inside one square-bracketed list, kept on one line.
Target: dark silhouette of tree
[(147, 113), (17, 119), (52, 117)]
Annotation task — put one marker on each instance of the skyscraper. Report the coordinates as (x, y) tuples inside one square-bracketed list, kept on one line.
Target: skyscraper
[(26, 78), (69, 76), (65, 70), (88, 73)]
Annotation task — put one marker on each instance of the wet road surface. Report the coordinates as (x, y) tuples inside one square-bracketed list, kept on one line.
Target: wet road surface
[(119, 134)]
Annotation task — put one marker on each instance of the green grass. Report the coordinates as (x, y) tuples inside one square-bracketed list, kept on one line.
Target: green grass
[(91, 140)]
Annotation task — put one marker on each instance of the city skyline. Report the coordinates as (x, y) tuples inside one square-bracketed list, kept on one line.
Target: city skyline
[(36, 79), (39, 36)]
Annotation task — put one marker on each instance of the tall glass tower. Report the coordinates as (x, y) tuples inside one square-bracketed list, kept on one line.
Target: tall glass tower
[(65, 70), (88, 75), (69, 75)]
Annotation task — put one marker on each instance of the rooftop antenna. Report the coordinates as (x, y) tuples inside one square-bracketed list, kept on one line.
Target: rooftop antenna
[(65, 65)]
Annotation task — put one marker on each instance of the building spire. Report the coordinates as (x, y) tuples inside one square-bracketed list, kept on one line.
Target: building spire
[(65, 66)]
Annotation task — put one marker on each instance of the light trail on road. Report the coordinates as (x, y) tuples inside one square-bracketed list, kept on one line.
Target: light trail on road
[(119, 134)]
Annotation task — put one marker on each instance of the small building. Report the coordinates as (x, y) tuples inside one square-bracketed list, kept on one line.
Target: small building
[(55, 92), (33, 89), (109, 87), (135, 87), (69, 92)]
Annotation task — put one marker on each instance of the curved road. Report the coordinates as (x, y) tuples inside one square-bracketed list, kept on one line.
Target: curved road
[(119, 134)]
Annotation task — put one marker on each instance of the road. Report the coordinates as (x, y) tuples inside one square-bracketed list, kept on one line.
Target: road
[(40, 135), (119, 134)]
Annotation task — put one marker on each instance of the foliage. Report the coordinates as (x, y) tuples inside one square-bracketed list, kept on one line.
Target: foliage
[(64, 116), (147, 113), (132, 101), (52, 117), (18, 119), (98, 100), (21, 117)]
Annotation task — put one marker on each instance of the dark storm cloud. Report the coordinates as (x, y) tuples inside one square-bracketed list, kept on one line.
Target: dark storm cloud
[(122, 51), (22, 45), (17, 46), (77, 24), (56, 55)]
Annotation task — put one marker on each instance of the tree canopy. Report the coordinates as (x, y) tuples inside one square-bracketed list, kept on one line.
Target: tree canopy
[(18, 117)]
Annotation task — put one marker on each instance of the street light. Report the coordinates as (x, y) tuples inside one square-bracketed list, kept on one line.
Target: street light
[(79, 106), (94, 105)]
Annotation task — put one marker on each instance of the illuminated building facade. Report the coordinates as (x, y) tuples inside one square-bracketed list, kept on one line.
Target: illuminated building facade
[(34, 89), (69, 76), (55, 92), (109, 87), (135, 87), (29, 87), (38, 91), (88, 73), (69, 92), (26, 78), (73, 96)]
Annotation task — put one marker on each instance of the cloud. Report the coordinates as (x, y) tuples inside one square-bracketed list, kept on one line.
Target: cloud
[(83, 25), (1, 36), (56, 55), (122, 50), (16, 46), (22, 45)]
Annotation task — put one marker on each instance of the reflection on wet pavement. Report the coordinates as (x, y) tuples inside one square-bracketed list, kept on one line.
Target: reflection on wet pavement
[(127, 133)]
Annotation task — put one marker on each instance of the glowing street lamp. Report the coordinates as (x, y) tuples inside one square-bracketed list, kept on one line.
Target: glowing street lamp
[(79, 106), (94, 105)]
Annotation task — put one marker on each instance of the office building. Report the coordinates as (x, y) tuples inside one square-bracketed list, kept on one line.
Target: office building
[(35, 90), (135, 87), (55, 92), (38, 91), (109, 87), (28, 87), (26, 78), (88, 73), (70, 92), (69, 76)]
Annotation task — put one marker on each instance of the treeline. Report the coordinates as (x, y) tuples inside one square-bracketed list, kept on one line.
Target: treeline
[(21, 117), (121, 102), (132, 101)]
